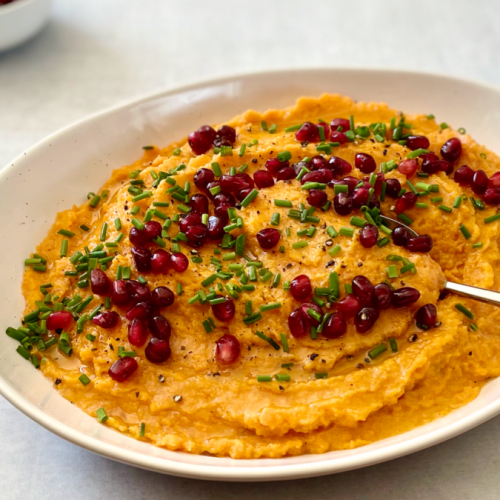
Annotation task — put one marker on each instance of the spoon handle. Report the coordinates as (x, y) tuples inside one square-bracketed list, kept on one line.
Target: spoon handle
[(472, 292)]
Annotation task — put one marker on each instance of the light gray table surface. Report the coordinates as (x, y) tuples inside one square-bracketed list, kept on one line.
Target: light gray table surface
[(95, 53)]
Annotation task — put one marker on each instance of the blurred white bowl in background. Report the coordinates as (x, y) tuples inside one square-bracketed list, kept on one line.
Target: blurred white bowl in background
[(20, 20)]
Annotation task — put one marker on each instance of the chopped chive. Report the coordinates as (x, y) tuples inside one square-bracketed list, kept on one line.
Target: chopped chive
[(465, 311), (273, 128), (138, 224), (473, 327), (64, 248), (320, 375), (417, 152), (444, 208), (135, 210), (457, 202), (275, 219), (101, 415), (283, 203), (421, 205), (84, 379), (264, 378), (332, 232), (383, 241), (299, 244), (357, 221), (256, 316), (249, 198), (334, 250), (284, 342), (346, 231), (491, 218), (179, 289), (465, 232), (242, 149), (104, 230), (393, 344), (405, 219), (392, 271), (66, 233), (377, 351), (263, 125), (269, 307), (477, 245), (83, 227), (293, 128), (436, 199)]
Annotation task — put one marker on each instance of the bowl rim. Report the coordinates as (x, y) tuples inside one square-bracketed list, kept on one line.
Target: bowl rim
[(217, 472), (16, 5)]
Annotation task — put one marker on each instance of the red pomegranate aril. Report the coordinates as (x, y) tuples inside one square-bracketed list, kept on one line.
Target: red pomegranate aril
[(224, 311), (201, 140), (452, 149), (365, 319), (305, 308), (492, 196), (349, 306), (221, 210), (360, 197), (241, 195), (297, 323), (197, 234), (227, 350), (335, 326), (379, 180), (228, 133), (382, 296), (350, 182), (342, 203), (160, 261), (446, 167), (428, 158), (417, 142), (189, 220), (224, 199), (326, 130), (317, 198), (159, 327), (494, 180), (137, 291), (301, 288), (120, 295), (323, 175), (123, 368), (273, 165), (308, 133), (215, 226), (212, 185), (400, 236), (162, 296), (404, 297), (406, 202), (152, 229), (141, 310), (107, 319), (157, 350), (199, 203), (340, 122), (339, 137), (142, 259), (263, 179), (137, 333), (408, 167), (368, 236), (426, 316), (203, 178), (237, 182), (479, 182), (339, 166), (363, 289), (179, 262), (365, 163), (286, 174), (100, 283), (432, 167), (392, 188), (268, 238), (59, 320), (317, 162), (137, 237), (422, 243), (374, 202)]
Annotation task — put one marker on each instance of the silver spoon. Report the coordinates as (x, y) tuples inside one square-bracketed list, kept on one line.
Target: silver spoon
[(471, 292)]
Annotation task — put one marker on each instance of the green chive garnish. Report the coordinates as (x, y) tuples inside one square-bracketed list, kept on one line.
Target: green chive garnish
[(283, 203), (264, 378), (269, 307), (299, 244), (101, 415), (465, 311), (465, 232), (66, 233), (491, 218), (377, 351), (346, 231)]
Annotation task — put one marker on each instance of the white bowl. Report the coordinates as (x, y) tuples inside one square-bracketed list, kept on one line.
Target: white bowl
[(62, 169), (21, 20)]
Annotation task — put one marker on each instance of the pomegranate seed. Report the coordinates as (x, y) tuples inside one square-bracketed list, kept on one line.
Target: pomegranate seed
[(241, 195), (324, 175), (228, 133), (59, 320), (263, 179), (492, 196), (197, 234), (309, 319), (100, 283), (221, 210), (365, 163), (417, 142), (426, 316), (360, 197), (301, 288), (374, 201), (479, 182), (227, 349), (326, 130), (446, 167), (286, 174), (297, 323), (157, 350), (162, 296), (340, 122), (349, 306), (422, 243), (400, 236), (368, 236), (210, 186), (203, 178), (273, 165), (432, 167), (142, 259), (349, 181), (137, 291), (199, 203), (339, 137), (120, 294), (224, 199), (451, 149), (363, 289), (160, 261), (335, 326), (382, 296), (379, 180), (404, 297), (189, 220), (107, 319), (342, 204), (494, 181), (308, 133), (392, 188), (427, 158), (152, 229), (224, 311), (406, 201), (237, 182), (122, 369), (317, 162), (137, 237), (215, 227), (159, 328), (365, 319), (141, 310), (317, 198), (268, 238), (408, 167), (137, 333), (179, 262), (339, 166)]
